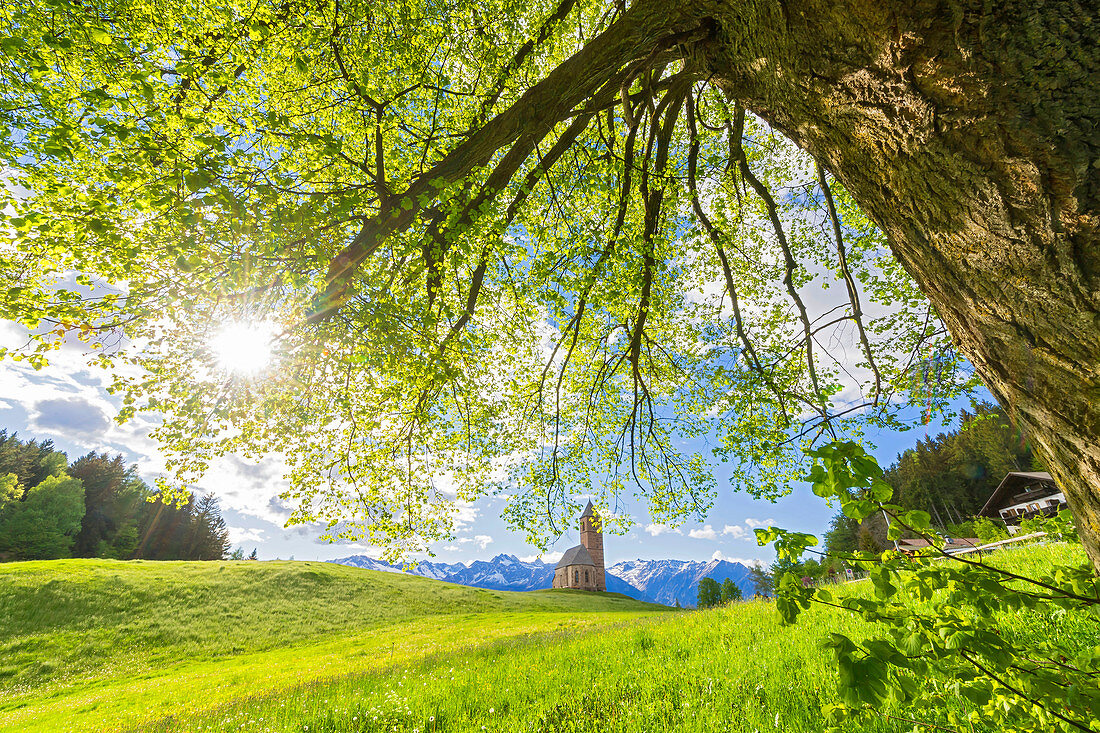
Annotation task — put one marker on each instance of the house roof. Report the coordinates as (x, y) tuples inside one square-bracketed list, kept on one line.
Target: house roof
[(589, 511), (1011, 484), (575, 556)]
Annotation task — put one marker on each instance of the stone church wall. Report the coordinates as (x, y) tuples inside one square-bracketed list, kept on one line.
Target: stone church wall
[(581, 577)]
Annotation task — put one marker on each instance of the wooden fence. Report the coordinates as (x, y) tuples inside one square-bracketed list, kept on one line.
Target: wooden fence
[(999, 544)]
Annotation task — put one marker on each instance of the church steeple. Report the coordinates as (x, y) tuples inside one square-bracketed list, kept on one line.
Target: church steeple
[(581, 567), (592, 540)]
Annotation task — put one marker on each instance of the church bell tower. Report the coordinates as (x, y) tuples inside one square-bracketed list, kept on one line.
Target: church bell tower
[(592, 539)]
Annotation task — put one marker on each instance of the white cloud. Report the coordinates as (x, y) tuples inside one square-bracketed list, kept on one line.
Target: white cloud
[(736, 530), (706, 533), (67, 402), (481, 540), (746, 561), (549, 557), (464, 513), (754, 523), (69, 416), (240, 535), (657, 529), (250, 488)]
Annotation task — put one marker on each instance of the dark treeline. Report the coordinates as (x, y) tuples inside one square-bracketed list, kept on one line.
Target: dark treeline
[(96, 507), (950, 476)]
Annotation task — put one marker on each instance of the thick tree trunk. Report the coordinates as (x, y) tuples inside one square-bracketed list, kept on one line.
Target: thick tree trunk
[(970, 132)]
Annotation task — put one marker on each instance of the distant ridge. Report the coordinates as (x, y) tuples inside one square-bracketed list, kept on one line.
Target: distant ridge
[(669, 581), (656, 581)]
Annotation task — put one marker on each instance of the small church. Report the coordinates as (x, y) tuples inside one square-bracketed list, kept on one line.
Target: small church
[(581, 567)]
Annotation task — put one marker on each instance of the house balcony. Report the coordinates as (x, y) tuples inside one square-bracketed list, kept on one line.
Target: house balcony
[(1048, 510)]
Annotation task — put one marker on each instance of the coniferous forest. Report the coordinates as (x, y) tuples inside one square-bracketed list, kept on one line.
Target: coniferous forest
[(949, 475), (96, 506)]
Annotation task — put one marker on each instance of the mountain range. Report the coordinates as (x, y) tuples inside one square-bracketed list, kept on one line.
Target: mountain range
[(657, 581)]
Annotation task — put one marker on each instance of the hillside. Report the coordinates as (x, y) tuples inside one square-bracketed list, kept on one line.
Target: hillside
[(266, 647), (69, 626)]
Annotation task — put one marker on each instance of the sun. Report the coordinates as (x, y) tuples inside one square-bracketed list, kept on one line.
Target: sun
[(244, 347)]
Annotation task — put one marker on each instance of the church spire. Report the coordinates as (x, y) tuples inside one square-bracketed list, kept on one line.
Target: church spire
[(582, 567), (592, 540)]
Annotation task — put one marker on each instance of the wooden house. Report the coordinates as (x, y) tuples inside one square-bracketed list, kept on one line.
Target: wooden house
[(1022, 495)]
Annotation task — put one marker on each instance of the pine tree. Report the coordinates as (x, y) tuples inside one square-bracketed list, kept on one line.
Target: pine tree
[(31, 462), (113, 495), (952, 474), (867, 542), (166, 530), (210, 535), (842, 535)]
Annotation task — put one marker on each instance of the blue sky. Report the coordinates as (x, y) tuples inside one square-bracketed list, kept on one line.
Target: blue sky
[(68, 403)]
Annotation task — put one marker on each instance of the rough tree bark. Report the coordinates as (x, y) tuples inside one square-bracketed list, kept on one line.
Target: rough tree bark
[(970, 132)]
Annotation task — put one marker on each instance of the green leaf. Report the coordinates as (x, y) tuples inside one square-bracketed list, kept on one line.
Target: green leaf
[(880, 491), (882, 580), (917, 519), (859, 508)]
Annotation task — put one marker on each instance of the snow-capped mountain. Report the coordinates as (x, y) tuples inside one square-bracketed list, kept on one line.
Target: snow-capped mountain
[(662, 581), (503, 572), (367, 563), (669, 581)]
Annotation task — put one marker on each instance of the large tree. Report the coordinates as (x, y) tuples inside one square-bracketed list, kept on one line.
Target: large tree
[(114, 498), (29, 461), (44, 524), (210, 535), (488, 234)]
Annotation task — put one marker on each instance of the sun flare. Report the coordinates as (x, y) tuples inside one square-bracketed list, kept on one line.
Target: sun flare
[(244, 348)]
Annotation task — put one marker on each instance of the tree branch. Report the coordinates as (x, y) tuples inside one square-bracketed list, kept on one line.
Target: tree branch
[(853, 293)]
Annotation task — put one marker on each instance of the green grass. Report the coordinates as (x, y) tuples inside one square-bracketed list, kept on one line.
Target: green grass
[(723, 670), (84, 641), (315, 647)]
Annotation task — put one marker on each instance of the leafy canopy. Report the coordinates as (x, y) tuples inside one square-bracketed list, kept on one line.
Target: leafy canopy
[(527, 247)]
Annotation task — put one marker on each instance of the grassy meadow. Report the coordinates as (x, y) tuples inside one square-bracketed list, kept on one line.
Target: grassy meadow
[(101, 645)]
